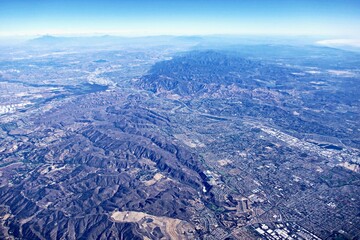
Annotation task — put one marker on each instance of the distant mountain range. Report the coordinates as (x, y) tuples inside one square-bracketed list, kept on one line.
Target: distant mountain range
[(49, 40)]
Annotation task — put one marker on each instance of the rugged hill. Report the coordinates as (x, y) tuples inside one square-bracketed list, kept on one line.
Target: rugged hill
[(195, 72)]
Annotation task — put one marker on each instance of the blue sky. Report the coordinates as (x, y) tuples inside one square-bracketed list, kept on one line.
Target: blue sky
[(338, 18)]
